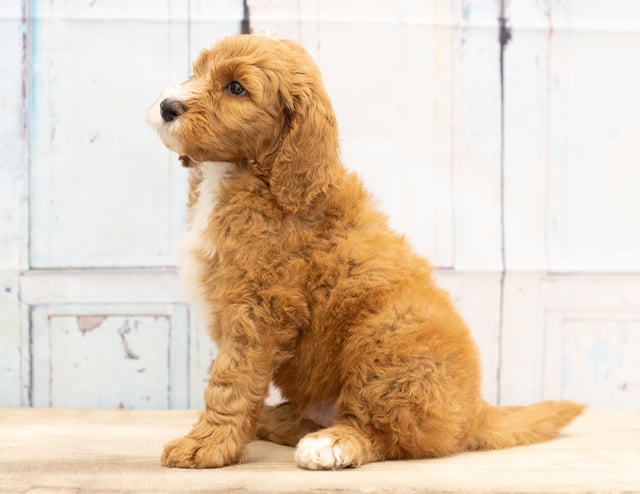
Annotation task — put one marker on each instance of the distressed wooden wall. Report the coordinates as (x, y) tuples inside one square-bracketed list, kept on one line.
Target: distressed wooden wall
[(512, 165)]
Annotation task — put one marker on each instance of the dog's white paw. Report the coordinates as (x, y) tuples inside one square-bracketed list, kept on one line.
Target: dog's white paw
[(321, 453)]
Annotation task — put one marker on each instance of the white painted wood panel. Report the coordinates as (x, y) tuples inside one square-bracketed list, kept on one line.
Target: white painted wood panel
[(13, 172), (13, 200), (593, 202), (593, 357), (93, 161), (417, 90), (572, 337), (476, 164), (571, 123), (126, 286), (110, 356), (572, 127)]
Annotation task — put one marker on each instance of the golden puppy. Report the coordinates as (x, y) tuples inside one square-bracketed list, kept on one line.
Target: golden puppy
[(300, 281)]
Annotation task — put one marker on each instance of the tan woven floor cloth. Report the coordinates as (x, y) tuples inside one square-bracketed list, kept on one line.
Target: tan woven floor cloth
[(118, 451)]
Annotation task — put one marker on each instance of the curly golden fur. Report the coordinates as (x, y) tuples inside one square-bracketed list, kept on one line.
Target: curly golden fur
[(301, 282)]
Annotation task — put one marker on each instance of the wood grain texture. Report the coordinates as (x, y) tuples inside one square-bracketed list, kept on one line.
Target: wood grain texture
[(118, 451)]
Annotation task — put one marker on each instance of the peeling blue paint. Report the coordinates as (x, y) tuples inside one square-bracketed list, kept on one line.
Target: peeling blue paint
[(466, 11)]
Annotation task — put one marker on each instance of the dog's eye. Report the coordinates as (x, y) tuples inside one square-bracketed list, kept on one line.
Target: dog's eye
[(236, 89)]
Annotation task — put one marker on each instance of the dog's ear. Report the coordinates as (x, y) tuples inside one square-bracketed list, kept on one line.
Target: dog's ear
[(306, 165)]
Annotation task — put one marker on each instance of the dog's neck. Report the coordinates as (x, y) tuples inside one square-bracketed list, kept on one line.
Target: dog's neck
[(251, 164)]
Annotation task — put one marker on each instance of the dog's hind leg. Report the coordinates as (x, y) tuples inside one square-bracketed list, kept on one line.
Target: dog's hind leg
[(284, 424)]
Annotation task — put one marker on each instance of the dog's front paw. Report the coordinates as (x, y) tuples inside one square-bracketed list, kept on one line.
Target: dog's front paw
[(187, 452)]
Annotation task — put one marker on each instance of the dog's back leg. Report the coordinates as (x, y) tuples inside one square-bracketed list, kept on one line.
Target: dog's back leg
[(284, 424)]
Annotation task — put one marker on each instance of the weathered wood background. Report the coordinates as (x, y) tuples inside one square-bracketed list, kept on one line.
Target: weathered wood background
[(514, 166)]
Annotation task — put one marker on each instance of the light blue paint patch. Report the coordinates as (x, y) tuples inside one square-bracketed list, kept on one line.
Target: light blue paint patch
[(466, 11), (598, 356)]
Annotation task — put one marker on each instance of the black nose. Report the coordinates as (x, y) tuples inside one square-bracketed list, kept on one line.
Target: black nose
[(170, 109)]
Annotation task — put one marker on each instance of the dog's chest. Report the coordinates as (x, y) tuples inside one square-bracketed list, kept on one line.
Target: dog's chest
[(208, 193), (197, 248)]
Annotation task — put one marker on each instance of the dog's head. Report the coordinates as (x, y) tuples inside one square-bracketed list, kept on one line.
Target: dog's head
[(260, 100)]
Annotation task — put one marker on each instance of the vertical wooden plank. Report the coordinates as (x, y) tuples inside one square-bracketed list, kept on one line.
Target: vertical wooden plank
[(527, 140), (477, 134), (442, 154), (594, 207), (523, 341), (13, 136), (557, 195), (527, 134), (13, 199)]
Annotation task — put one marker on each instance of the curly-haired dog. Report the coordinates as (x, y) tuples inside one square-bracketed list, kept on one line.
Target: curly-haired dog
[(301, 282)]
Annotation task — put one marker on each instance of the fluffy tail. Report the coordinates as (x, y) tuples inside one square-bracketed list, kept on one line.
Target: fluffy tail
[(504, 427)]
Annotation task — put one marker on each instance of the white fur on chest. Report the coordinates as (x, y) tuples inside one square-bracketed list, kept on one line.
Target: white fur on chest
[(195, 245)]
